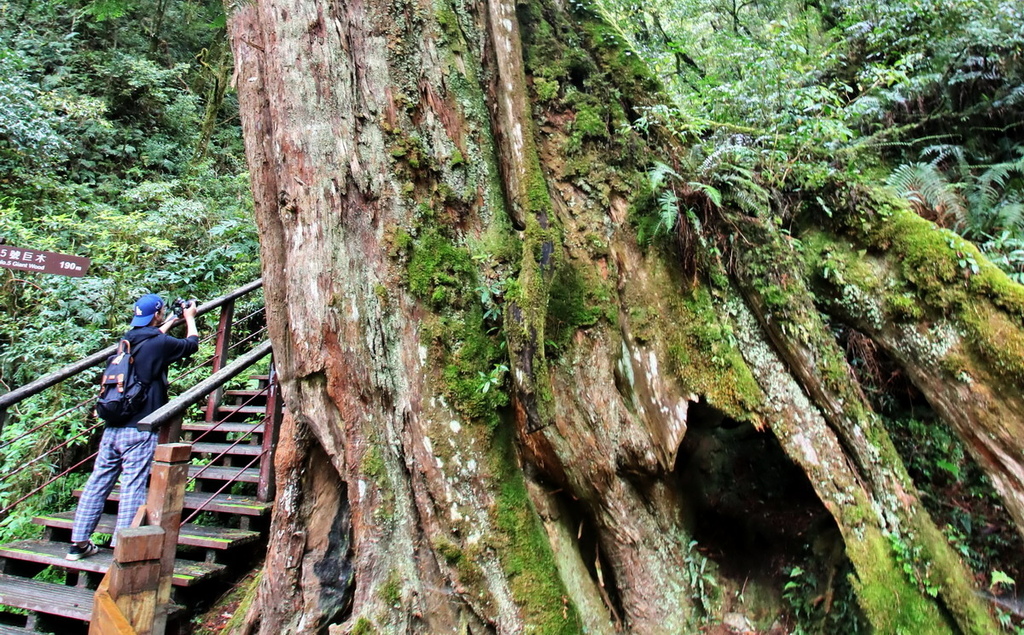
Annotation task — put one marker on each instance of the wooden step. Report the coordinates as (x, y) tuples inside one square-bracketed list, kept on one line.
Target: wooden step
[(225, 503), (228, 409), (226, 426), (45, 597), (48, 552), (246, 393), (190, 535), (225, 473), (227, 449), (15, 630)]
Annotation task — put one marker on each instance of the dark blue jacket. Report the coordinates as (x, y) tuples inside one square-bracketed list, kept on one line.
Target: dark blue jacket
[(154, 352)]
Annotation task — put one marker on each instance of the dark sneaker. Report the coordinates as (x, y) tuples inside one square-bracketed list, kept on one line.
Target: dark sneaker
[(78, 552)]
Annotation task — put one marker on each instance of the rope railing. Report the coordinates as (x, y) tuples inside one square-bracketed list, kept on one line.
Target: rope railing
[(246, 318), (53, 450), (8, 508), (177, 406), (33, 388), (46, 423), (254, 335)]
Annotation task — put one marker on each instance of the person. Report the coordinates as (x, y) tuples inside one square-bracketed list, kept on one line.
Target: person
[(124, 450)]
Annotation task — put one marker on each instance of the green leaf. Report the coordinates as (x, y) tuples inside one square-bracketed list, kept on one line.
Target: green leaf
[(949, 467), (998, 577)]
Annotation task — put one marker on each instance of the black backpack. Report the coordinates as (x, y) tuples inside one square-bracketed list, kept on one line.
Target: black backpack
[(122, 395)]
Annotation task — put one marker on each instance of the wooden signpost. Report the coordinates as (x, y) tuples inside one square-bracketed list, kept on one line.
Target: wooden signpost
[(39, 261)]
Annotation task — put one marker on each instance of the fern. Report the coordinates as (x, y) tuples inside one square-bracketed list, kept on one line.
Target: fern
[(924, 185), (996, 199), (945, 150), (658, 175), (668, 213), (712, 192)]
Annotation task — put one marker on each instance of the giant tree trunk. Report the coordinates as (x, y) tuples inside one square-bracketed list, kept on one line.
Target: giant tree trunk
[(488, 381)]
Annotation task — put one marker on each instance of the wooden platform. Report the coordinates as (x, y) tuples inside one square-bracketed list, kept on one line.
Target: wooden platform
[(242, 410), (190, 535), (186, 572), (246, 394)]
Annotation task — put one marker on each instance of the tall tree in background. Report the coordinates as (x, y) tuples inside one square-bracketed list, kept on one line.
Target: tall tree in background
[(506, 415)]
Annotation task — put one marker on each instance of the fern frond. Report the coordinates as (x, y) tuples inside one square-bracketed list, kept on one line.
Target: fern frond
[(943, 151), (1011, 217), (668, 213), (658, 175), (712, 192), (925, 185)]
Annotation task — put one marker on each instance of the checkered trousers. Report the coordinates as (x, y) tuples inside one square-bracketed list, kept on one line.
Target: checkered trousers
[(123, 452)]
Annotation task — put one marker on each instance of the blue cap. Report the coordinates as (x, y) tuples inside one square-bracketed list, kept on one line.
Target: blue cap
[(147, 306)]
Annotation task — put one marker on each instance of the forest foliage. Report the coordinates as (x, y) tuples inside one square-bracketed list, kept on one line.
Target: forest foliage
[(926, 96), (119, 143), (102, 106)]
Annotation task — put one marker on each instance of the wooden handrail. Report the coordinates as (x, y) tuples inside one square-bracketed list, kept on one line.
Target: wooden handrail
[(177, 406), (9, 399)]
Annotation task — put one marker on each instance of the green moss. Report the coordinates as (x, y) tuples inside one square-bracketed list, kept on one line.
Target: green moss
[(903, 307), (576, 301), (704, 355), (948, 575), (631, 73), (363, 626), (927, 563), (448, 550), (466, 355), (244, 594), (372, 464), (936, 268), (523, 548), (439, 272), (590, 120), (448, 25), (525, 321), (391, 590), (545, 89), (890, 601)]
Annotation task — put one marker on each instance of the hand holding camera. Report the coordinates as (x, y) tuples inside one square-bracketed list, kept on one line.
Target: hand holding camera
[(180, 306)]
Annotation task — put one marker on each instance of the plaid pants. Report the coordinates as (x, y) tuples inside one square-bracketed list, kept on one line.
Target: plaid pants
[(125, 452)]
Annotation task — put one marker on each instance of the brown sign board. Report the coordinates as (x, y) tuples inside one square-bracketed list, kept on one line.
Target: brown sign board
[(38, 261)]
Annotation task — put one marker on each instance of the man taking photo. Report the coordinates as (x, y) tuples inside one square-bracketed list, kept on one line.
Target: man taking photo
[(124, 450)]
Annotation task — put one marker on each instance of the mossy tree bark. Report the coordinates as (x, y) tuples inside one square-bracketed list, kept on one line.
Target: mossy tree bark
[(488, 380)]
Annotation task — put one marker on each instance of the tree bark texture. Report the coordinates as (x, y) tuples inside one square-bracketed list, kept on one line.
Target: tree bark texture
[(488, 381)]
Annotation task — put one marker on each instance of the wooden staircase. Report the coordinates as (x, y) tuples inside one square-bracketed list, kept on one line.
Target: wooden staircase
[(227, 537)]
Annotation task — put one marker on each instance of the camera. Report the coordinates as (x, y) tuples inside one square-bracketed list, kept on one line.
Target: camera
[(179, 305)]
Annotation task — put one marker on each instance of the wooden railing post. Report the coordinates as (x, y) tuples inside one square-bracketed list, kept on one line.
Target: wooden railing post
[(271, 427), (170, 431), (163, 507), (128, 595), (220, 355)]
